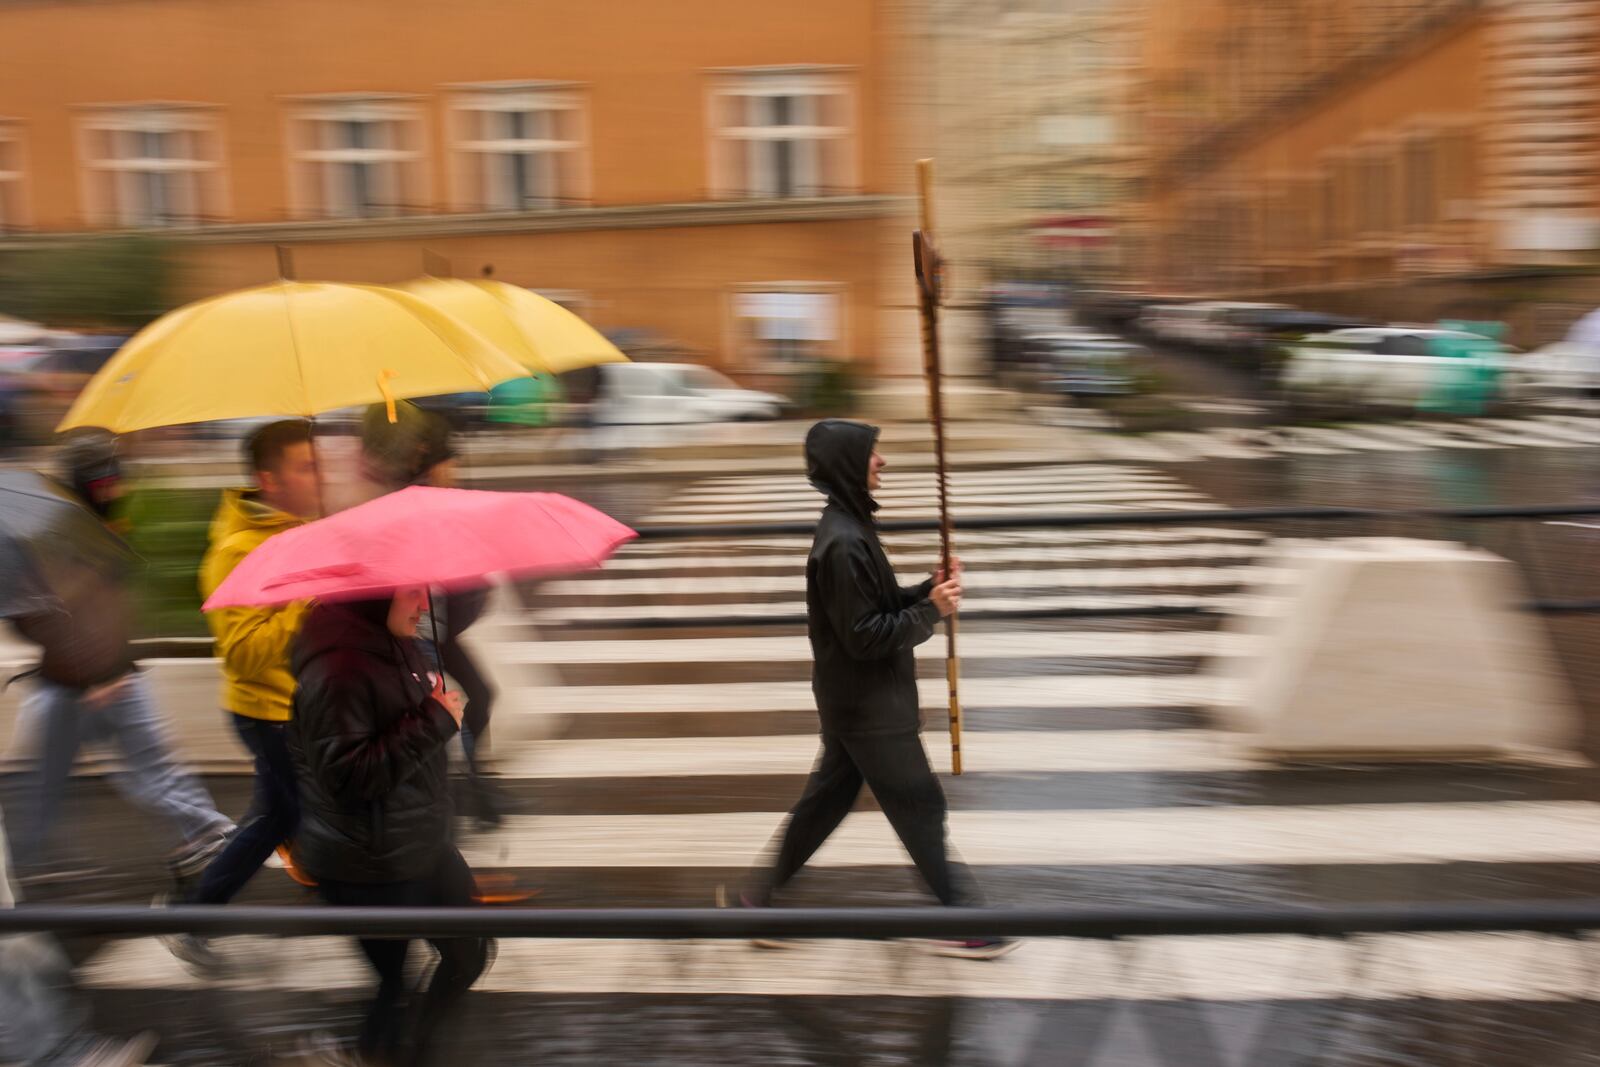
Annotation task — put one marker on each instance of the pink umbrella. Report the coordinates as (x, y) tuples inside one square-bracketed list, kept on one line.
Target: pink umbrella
[(451, 538)]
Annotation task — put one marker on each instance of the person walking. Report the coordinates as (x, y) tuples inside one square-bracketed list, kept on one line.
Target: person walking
[(369, 736), (87, 689), (863, 627), (253, 644), (43, 1020), (418, 448)]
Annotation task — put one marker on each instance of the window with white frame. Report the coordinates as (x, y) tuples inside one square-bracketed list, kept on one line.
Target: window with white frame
[(782, 133), (784, 328), (11, 171), (357, 158), (152, 166), (520, 148)]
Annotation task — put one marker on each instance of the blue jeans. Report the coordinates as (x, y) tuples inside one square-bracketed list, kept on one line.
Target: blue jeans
[(41, 1019), (271, 820), (148, 775)]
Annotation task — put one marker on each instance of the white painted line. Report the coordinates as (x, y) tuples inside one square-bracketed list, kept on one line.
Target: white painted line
[(1570, 436), (1484, 430), (971, 498), (1437, 967), (1350, 441), (800, 513), (974, 557), (622, 614), (1443, 433), (1113, 644), (1061, 691), (1414, 435), (977, 580), (1492, 832), (1139, 450), (1000, 752)]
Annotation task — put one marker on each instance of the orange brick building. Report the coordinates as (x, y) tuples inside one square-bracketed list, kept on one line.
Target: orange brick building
[(1352, 152), (711, 171)]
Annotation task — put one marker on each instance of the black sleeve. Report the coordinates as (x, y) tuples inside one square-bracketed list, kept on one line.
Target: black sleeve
[(910, 594), (344, 749), (864, 629)]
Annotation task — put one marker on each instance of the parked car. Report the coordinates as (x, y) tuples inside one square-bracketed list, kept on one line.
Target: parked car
[(1082, 363), (38, 385), (1563, 369), (1402, 366), (666, 393), (1218, 328)]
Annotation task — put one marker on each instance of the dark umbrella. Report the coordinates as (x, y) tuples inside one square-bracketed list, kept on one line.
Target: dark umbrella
[(46, 537)]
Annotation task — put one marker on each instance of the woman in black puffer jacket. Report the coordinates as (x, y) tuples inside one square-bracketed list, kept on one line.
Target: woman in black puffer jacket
[(369, 735)]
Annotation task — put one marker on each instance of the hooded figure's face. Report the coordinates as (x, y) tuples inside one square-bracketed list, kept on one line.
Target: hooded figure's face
[(841, 462)]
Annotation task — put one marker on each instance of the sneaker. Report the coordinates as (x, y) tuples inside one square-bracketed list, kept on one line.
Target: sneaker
[(193, 857), (322, 1049), (107, 1052), (294, 870), (191, 950), (727, 898), (975, 948)]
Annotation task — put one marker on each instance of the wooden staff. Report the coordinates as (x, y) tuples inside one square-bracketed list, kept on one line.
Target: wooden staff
[(930, 270)]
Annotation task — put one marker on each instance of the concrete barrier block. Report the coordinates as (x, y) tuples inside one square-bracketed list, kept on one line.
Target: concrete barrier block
[(1397, 648)]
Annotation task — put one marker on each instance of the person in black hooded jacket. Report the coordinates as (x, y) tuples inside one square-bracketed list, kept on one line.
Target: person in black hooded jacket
[(369, 736), (863, 627)]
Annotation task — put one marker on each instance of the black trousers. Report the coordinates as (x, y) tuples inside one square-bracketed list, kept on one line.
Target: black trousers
[(270, 821), (896, 767), (393, 1034)]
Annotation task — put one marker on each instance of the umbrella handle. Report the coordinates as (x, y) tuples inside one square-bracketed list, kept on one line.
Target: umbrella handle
[(388, 395), (433, 624)]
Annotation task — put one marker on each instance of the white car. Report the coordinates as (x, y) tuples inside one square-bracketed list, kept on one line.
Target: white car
[(1393, 365), (1564, 370), (642, 394)]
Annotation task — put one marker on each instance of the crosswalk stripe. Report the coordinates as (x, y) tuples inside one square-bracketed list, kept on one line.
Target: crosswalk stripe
[(971, 498), (1043, 691), (1356, 834), (1349, 441), (976, 581), (1033, 751), (897, 542), (1437, 967), (923, 560), (1493, 433), (617, 614), (1149, 644)]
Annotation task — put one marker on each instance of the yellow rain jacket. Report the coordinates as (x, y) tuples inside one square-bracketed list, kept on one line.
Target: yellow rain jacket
[(253, 642)]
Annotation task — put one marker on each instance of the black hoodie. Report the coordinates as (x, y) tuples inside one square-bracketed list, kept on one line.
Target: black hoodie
[(863, 625), (369, 750)]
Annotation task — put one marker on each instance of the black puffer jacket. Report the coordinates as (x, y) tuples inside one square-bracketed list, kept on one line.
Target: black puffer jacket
[(369, 749), (863, 624)]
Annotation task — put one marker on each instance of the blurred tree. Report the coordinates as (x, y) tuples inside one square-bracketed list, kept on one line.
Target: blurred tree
[(118, 283)]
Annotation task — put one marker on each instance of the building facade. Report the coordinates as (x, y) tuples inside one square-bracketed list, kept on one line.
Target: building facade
[(1387, 157), (712, 172)]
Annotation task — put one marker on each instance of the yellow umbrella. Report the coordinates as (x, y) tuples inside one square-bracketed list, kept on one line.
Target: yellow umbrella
[(290, 348), (545, 336)]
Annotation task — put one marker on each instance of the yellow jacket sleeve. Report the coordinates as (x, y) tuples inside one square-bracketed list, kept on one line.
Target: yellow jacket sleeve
[(250, 640)]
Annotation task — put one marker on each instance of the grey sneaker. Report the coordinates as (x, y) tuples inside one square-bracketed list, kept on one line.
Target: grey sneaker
[(108, 1052), (191, 950), (322, 1049), (192, 857)]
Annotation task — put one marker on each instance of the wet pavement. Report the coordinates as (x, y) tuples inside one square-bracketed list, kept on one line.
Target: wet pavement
[(1270, 833)]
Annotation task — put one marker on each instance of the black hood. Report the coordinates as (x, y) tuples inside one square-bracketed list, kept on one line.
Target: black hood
[(838, 452), (358, 624)]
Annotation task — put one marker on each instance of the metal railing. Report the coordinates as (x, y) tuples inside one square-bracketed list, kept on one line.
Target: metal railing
[(1569, 918)]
